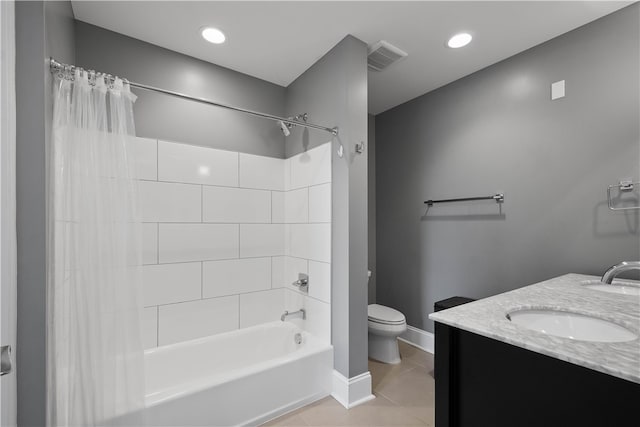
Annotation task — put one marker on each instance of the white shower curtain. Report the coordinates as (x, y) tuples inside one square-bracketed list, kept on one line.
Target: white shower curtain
[(95, 366)]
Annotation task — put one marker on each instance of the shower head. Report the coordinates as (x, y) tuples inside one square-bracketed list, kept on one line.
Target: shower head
[(284, 127)]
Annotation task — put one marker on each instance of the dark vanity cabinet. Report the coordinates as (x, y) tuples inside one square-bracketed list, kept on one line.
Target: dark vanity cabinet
[(482, 382)]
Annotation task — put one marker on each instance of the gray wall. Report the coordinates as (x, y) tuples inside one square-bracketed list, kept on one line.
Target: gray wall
[(498, 130), (334, 93), (173, 119), (371, 216), (43, 29)]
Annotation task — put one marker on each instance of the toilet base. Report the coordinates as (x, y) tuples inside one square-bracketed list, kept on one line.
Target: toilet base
[(384, 349)]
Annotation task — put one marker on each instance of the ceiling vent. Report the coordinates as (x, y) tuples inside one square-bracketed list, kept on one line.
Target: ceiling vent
[(383, 54)]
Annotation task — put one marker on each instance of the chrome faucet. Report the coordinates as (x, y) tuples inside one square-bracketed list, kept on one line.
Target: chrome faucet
[(302, 312), (302, 283), (614, 270)]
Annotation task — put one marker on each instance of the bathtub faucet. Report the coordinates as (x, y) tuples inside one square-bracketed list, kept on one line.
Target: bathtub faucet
[(302, 312)]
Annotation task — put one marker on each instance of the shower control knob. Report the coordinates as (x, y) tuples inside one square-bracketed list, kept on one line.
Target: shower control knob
[(303, 282)]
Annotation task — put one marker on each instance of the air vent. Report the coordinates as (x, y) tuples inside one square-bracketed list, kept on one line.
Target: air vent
[(383, 54)]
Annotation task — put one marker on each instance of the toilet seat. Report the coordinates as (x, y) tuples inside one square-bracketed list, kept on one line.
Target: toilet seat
[(383, 315)]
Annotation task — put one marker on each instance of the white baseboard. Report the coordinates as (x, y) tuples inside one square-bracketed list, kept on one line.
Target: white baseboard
[(418, 338), (353, 391)]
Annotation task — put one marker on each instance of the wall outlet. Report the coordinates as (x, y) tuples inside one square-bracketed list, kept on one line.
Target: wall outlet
[(557, 90)]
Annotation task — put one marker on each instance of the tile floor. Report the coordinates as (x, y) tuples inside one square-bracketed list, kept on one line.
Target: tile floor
[(404, 397)]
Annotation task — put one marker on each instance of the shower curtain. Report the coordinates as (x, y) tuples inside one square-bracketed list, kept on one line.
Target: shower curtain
[(95, 366)]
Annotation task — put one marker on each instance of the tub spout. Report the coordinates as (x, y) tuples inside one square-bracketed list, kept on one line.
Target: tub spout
[(302, 313)]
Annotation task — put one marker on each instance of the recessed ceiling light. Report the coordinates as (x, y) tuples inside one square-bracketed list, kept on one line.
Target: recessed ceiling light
[(213, 35), (459, 40)]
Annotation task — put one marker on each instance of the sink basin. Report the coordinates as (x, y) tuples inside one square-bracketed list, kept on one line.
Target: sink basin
[(614, 288), (571, 325)]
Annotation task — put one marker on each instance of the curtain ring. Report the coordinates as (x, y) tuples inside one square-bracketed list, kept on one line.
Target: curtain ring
[(111, 81)]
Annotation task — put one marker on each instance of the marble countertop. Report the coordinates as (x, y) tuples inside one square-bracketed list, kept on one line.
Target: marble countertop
[(487, 317)]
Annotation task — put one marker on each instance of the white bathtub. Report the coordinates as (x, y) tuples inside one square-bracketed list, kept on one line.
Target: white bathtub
[(244, 377)]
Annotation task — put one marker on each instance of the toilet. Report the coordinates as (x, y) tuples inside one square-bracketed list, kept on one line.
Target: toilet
[(385, 325)]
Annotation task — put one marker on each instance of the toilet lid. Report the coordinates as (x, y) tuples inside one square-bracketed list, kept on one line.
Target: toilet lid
[(382, 314)]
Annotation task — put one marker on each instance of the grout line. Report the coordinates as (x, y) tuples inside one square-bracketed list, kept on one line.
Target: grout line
[(195, 261), (238, 295), (287, 287), (237, 187), (308, 204), (318, 185), (201, 279), (157, 161), (234, 223), (307, 259), (202, 203), (229, 259), (158, 243), (225, 296), (309, 186), (396, 377)]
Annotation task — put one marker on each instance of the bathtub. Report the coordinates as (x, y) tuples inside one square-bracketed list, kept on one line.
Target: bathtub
[(244, 377)]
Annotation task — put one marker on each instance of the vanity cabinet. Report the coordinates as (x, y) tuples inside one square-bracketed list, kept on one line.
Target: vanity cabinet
[(483, 382)]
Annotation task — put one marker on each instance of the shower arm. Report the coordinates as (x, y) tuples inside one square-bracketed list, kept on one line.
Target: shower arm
[(57, 67)]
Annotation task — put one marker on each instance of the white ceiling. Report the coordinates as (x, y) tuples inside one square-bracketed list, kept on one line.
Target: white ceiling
[(278, 41)]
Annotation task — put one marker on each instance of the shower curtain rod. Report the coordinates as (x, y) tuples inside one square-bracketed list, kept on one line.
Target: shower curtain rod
[(56, 66)]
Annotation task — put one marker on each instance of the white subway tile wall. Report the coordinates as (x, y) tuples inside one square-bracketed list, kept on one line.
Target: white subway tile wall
[(170, 202), (261, 172), (236, 205), (171, 283), (320, 203), (296, 206), (321, 273), (261, 307), (149, 243), (277, 207), (226, 234), (150, 327), (197, 165), (277, 271), (197, 242), (236, 276), (310, 168), (257, 240), (195, 319), (318, 319), (144, 154), (310, 241)]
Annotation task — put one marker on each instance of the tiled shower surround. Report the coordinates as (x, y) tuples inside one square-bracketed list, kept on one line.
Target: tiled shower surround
[(225, 236)]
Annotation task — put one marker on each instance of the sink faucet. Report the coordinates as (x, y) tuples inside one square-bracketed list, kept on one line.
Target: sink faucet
[(614, 270), (302, 312)]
